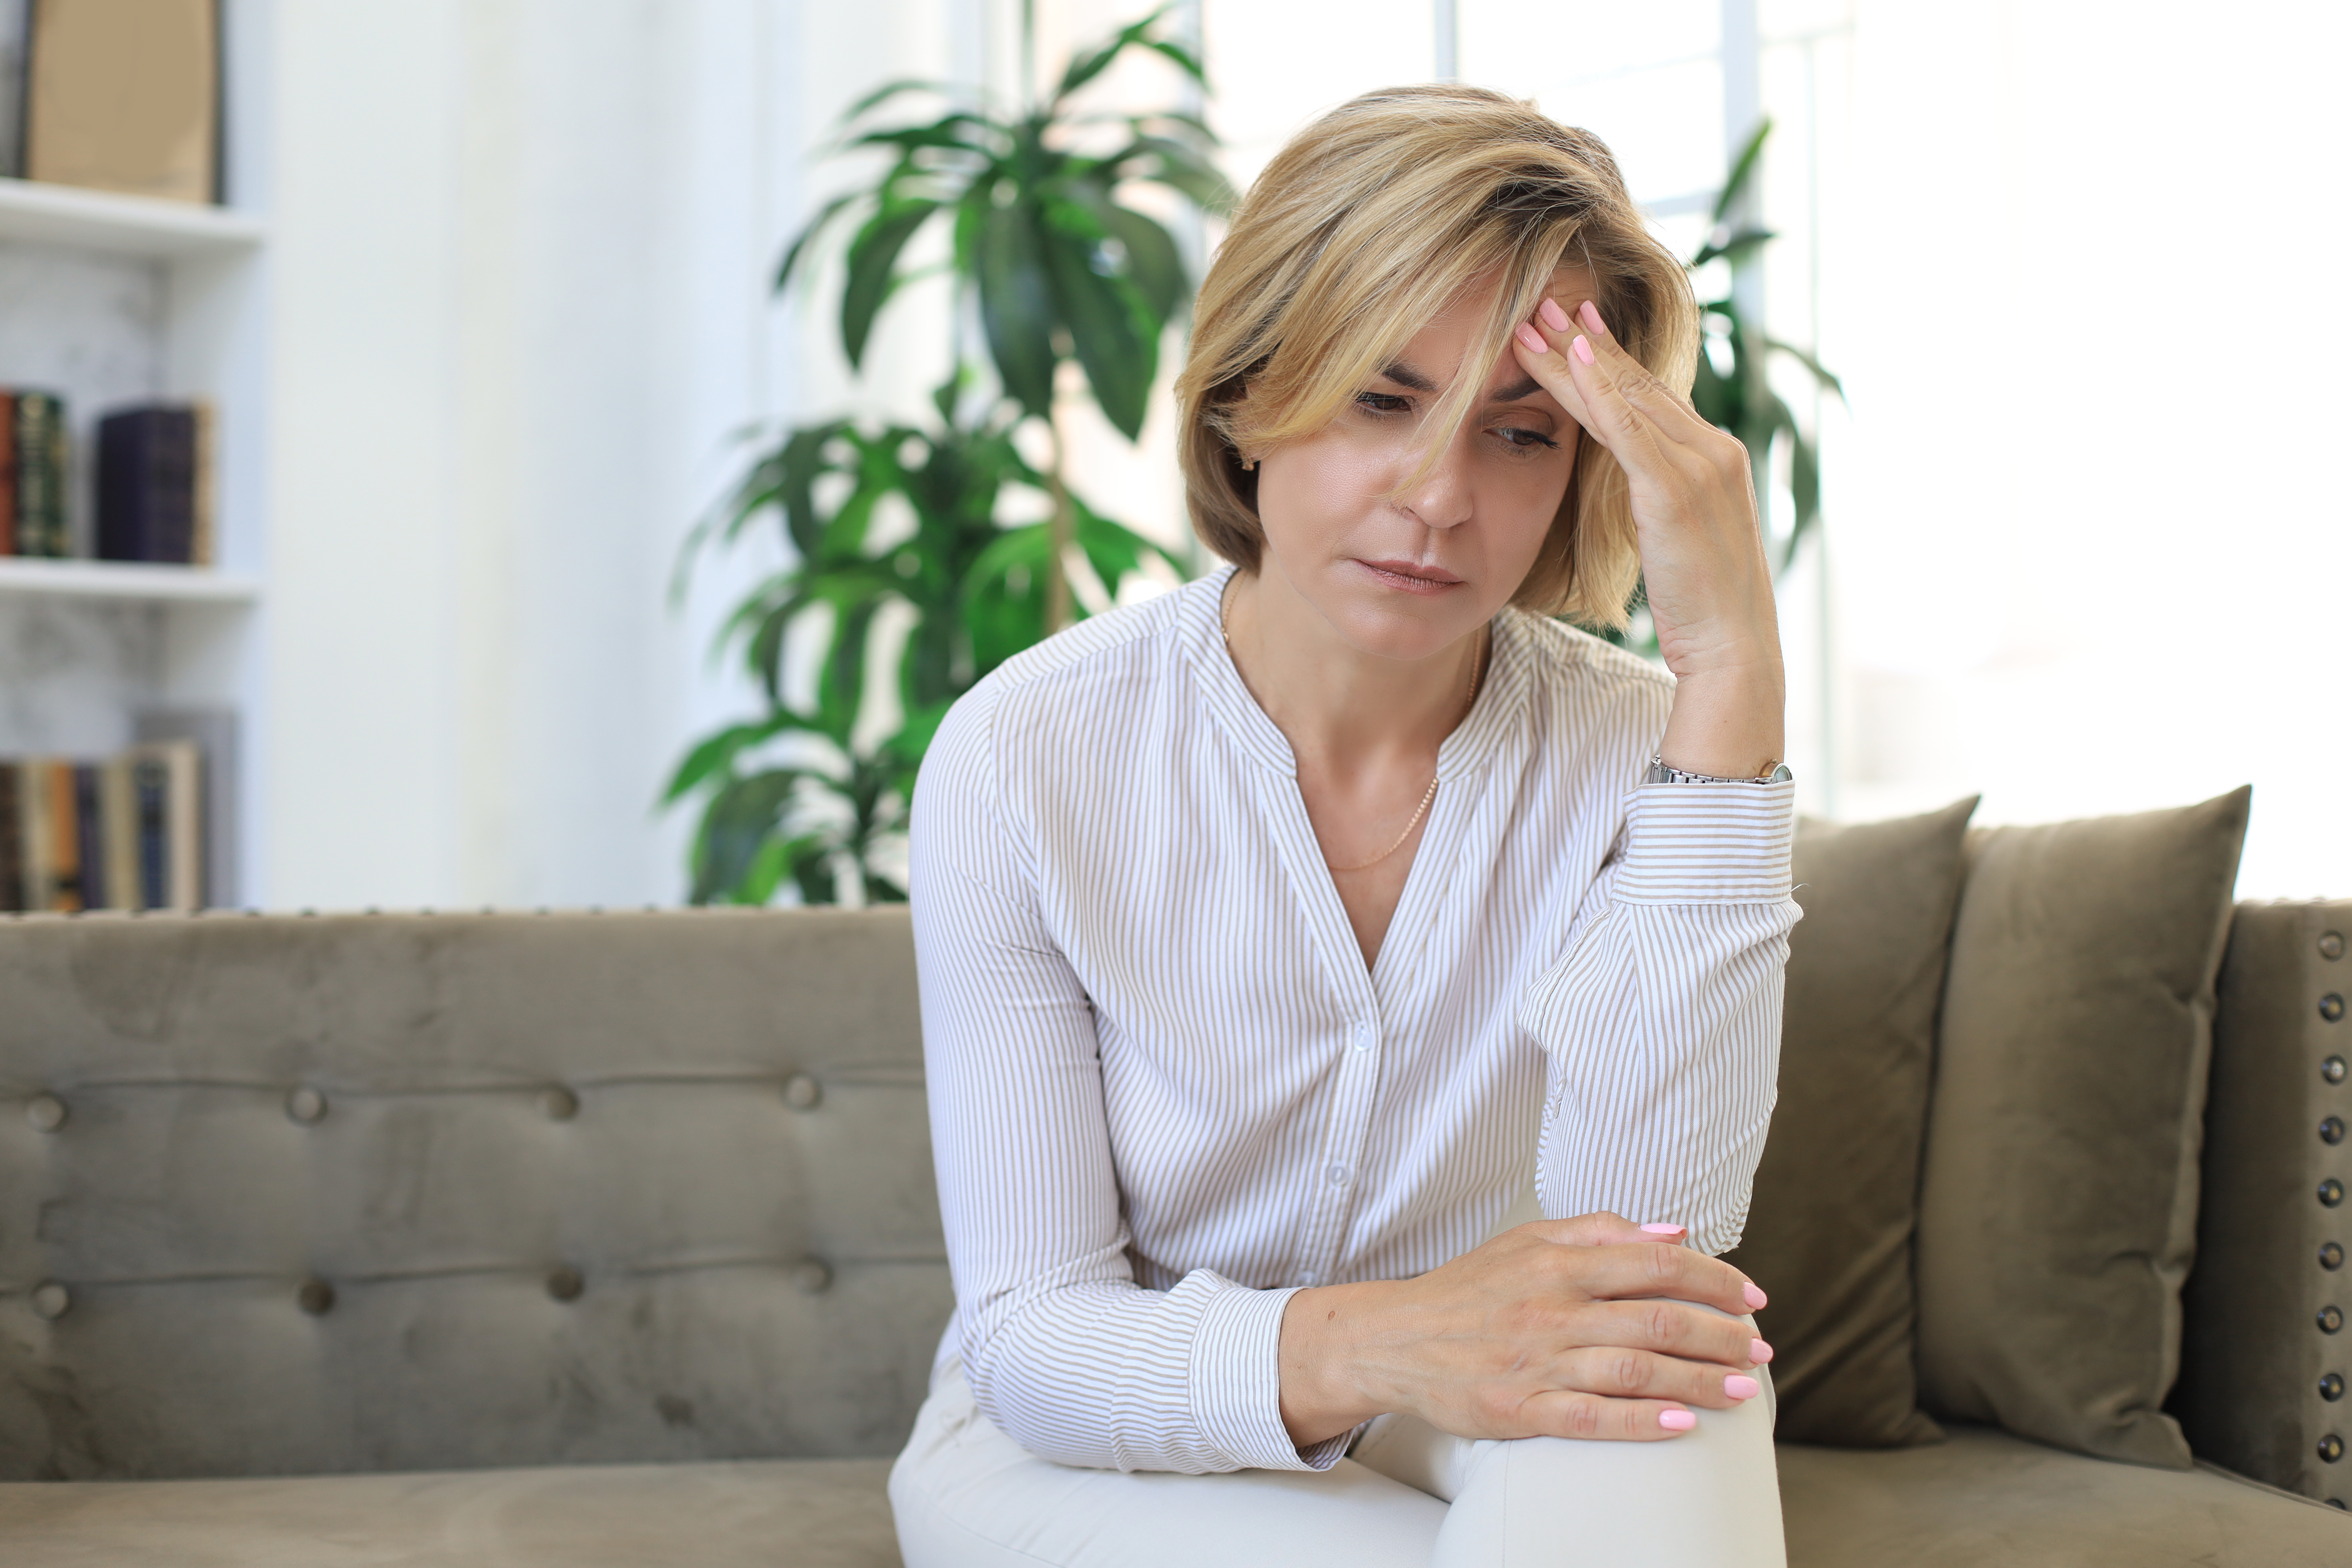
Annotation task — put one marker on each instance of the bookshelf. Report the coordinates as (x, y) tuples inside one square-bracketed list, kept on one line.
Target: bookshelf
[(126, 581), (125, 225), (110, 300)]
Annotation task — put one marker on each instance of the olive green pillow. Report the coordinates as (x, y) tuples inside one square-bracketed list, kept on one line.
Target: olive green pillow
[(1829, 1228), (2058, 1204)]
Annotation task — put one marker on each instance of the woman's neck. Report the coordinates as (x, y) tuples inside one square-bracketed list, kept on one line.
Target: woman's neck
[(1339, 708)]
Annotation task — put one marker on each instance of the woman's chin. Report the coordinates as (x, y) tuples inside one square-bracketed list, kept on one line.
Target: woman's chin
[(1377, 626)]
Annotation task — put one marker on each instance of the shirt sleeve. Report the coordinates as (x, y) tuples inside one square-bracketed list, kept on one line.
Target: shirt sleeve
[(1661, 1022), (1062, 1350)]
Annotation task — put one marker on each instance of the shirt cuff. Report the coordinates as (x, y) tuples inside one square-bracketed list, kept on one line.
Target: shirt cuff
[(1237, 1383), (1707, 843)]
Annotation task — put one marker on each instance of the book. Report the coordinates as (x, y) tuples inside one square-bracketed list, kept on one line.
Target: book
[(150, 784), (90, 847), (148, 474), (40, 487), (118, 810), (213, 732), (12, 839), (168, 788), (65, 837), (126, 832), (8, 472), (124, 95), (200, 534)]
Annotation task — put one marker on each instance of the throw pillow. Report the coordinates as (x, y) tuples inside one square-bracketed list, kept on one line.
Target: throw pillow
[(2058, 1206), (1829, 1229)]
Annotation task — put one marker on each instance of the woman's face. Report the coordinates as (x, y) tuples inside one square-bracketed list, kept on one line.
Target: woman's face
[(1405, 574)]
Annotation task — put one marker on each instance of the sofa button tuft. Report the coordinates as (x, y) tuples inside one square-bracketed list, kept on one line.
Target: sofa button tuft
[(2331, 1318), (565, 1284), (2331, 946), (316, 1297), (2331, 1007), (2331, 1447), (2331, 1192), (50, 1299), (812, 1276), (45, 1112), (306, 1105), (2332, 1070), (2331, 1387), (2331, 1255), (802, 1092), (559, 1103), (2331, 1129)]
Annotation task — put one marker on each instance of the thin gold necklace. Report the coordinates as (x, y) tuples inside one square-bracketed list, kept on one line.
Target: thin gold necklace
[(1469, 701)]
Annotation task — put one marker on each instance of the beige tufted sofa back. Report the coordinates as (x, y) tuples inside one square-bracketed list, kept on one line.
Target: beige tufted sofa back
[(288, 1195)]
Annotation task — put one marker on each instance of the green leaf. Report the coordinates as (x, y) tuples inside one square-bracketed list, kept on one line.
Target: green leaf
[(1083, 68), (739, 820), (1111, 329), (1827, 380), (801, 461), (1743, 167), (1736, 249), (716, 753), (808, 233), (873, 261), (888, 90), (1153, 261), (1016, 304)]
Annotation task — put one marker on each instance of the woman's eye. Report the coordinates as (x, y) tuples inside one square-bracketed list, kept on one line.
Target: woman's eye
[(1383, 402), (1525, 440)]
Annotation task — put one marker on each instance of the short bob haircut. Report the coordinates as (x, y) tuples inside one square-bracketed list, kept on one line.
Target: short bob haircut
[(1371, 221)]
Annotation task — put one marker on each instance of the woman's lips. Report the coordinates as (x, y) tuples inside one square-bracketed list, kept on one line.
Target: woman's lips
[(1412, 577)]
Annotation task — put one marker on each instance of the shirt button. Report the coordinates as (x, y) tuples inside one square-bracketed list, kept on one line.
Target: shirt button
[(1339, 1175), (1363, 1037), (1309, 1277)]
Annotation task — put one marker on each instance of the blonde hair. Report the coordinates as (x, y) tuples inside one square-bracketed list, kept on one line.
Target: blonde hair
[(1371, 221)]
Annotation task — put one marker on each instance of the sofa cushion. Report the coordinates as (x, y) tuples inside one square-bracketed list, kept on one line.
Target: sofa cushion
[(2058, 1206), (409, 1193), (1836, 1198), (1986, 1499), (791, 1513)]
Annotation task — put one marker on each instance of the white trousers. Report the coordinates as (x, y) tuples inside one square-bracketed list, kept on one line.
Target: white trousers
[(967, 1496)]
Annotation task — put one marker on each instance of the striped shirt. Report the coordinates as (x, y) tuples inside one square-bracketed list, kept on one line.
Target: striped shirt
[(1165, 1091)]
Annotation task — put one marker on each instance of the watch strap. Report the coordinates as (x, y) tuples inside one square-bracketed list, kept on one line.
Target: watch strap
[(1661, 774)]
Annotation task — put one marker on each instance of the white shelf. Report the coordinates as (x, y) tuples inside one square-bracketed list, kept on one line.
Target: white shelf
[(133, 226), (125, 580)]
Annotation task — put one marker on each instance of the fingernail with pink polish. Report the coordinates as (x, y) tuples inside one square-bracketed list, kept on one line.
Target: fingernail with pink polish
[(1759, 1353), (1592, 314), (1738, 1387), (1752, 1296), (1553, 316), (1676, 1420), (1663, 1230), (1580, 348), (1534, 339)]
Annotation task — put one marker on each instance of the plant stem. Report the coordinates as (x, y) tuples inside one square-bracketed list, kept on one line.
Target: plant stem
[(1057, 533)]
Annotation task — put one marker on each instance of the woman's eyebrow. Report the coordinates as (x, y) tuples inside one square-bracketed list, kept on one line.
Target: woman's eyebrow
[(1405, 376)]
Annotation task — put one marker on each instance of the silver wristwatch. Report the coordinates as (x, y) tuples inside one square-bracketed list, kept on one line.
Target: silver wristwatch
[(1661, 774)]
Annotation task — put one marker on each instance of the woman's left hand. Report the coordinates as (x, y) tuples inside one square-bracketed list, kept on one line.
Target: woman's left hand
[(1710, 587)]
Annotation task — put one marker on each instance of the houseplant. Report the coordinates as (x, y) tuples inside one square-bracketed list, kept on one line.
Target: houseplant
[(1058, 269)]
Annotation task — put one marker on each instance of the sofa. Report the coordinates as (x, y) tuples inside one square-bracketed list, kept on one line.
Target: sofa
[(590, 1238)]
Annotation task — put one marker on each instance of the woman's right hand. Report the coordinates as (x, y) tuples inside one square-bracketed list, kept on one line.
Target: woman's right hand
[(1589, 1327)]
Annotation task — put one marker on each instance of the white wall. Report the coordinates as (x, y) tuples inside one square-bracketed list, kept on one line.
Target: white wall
[(2093, 537), (520, 308)]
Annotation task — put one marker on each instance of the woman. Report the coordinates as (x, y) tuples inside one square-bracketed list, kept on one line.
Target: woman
[(1276, 935)]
